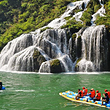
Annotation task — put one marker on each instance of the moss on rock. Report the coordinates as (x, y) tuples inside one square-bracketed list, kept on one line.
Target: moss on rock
[(55, 66), (74, 36), (38, 60), (45, 29), (76, 66)]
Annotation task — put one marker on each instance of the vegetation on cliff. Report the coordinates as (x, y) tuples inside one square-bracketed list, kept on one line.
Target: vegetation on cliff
[(106, 19), (23, 16)]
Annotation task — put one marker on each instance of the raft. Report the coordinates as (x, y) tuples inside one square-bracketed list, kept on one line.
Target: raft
[(70, 95), (3, 88)]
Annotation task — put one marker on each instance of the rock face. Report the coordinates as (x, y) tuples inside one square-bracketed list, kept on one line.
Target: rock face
[(53, 51)]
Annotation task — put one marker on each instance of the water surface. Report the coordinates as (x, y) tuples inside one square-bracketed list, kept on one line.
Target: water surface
[(34, 91)]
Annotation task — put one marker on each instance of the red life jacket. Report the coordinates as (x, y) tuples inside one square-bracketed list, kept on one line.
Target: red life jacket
[(98, 96), (85, 92), (81, 93), (108, 94), (92, 94)]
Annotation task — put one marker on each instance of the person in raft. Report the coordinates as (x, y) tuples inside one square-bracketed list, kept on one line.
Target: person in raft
[(0, 85), (106, 91), (91, 95), (97, 96), (80, 94), (105, 98), (84, 91)]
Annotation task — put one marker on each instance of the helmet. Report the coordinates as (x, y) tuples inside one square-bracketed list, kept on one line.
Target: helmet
[(83, 88), (105, 90), (97, 91)]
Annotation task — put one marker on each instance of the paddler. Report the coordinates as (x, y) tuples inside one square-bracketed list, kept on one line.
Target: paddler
[(84, 91), (0, 85), (97, 96), (80, 94), (106, 91), (105, 98), (91, 95)]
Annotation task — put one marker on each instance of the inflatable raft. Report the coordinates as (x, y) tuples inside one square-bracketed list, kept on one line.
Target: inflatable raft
[(3, 88), (70, 95)]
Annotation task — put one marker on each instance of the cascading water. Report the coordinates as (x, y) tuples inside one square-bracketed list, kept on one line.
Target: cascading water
[(94, 49), (57, 41), (38, 51), (58, 22), (18, 54)]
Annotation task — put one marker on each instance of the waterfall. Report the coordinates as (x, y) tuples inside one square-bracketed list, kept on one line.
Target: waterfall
[(66, 60), (58, 22), (86, 66), (45, 67), (15, 46), (56, 49), (21, 61), (29, 50), (52, 44), (94, 49)]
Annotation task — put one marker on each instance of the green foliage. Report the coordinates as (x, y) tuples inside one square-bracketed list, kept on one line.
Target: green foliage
[(86, 17), (106, 19), (107, 7), (73, 25), (23, 16), (92, 8), (94, 5), (45, 29), (67, 18), (78, 10), (3, 4)]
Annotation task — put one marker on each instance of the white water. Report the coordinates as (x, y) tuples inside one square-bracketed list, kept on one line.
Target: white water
[(66, 60), (58, 22), (14, 47), (17, 55), (92, 53)]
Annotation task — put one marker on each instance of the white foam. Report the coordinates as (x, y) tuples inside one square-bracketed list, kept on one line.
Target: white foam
[(24, 90), (58, 22)]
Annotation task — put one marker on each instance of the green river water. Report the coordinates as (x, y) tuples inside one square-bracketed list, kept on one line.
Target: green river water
[(32, 91)]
